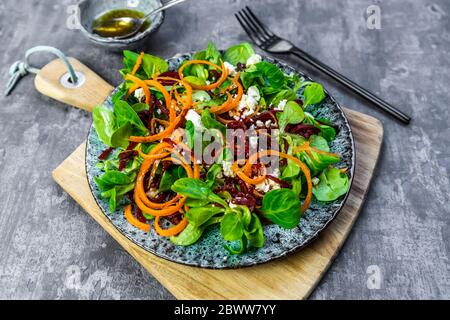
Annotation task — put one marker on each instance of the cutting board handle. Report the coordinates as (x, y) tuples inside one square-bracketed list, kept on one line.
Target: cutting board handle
[(54, 81)]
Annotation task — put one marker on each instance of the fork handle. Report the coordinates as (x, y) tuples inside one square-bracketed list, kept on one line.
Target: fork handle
[(381, 104)]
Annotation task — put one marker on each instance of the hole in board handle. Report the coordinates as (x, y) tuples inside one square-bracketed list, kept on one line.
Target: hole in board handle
[(67, 82)]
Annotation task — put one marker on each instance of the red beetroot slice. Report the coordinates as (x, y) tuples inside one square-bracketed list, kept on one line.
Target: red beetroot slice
[(105, 154), (305, 130), (169, 74), (125, 156), (140, 216), (244, 199)]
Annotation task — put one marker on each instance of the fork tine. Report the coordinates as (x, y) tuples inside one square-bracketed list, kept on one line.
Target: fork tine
[(257, 33), (261, 25), (252, 25), (247, 30)]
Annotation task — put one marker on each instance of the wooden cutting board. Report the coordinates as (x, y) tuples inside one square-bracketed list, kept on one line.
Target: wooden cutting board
[(292, 277)]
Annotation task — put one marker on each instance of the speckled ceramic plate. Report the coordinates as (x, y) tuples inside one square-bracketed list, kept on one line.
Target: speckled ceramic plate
[(209, 251)]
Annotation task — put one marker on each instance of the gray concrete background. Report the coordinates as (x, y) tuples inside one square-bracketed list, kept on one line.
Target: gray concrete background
[(49, 247)]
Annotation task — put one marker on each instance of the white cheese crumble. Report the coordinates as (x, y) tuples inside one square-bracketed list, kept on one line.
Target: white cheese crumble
[(249, 102), (253, 59), (262, 187), (231, 69), (267, 185), (152, 193), (226, 166), (315, 181), (281, 105), (139, 94), (254, 93), (195, 118), (259, 123)]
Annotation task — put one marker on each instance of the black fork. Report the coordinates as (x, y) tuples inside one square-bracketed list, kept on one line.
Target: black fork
[(261, 35)]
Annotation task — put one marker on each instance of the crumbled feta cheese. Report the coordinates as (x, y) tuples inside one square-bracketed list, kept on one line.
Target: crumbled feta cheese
[(273, 185), (139, 94), (231, 69), (152, 193), (281, 105), (315, 181), (226, 166), (262, 187), (259, 123), (267, 185), (268, 123), (247, 105), (253, 59), (195, 118), (253, 92)]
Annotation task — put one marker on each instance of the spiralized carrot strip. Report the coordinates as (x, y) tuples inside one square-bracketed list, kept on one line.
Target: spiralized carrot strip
[(162, 89), (150, 207), (131, 90), (135, 222), (245, 177), (186, 85), (174, 120), (152, 125), (171, 231), (212, 86), (139, 192), (138, 63), (161, 135), (224, 121), (139, 83), (164, 212), (172, 206), (247, 170), (152, 157), (163, 122), (181, 163), (226, 106), (196, 172)]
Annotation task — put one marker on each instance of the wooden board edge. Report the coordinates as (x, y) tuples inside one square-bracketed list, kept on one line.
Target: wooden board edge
[(350, 226)]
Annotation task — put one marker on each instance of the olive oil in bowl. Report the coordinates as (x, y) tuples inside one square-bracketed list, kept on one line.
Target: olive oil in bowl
[(106, 26)]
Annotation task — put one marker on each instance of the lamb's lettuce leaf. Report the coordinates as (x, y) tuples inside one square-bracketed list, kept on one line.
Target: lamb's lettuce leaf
[(333, 184), (151, 65), (238, 53)]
